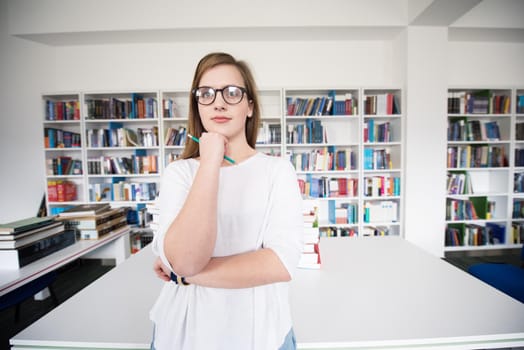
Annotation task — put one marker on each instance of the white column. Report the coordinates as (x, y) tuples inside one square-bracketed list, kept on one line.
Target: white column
[(425, 137)]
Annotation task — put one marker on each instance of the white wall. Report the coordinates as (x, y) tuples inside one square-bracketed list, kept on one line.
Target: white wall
[(275, 64), (29, 69), (34, 69), (486, 64), (21, 159)]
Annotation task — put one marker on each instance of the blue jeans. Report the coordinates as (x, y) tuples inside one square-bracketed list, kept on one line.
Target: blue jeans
[(153, 339), (289, 343)]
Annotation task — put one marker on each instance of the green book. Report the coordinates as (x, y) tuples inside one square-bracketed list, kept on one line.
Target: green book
[(481, 206), (25, 224), (455, 234)]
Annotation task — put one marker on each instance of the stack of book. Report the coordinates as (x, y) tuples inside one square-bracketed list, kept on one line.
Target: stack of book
[(144, 233), (310, 257), (92, 221), (27, 240), (154, 213)]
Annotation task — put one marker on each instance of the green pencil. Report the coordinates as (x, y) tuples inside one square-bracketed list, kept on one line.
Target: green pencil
[(198, 141)]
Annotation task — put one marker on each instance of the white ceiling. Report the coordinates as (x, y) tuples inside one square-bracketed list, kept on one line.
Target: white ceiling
[(467, 20), (476, 20)]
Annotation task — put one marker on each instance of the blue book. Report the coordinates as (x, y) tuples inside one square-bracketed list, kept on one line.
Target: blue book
[(352, 214), (321, 106), (300, 133), (317, 132), (520, 104), (136, 97), (332, 212), (371, 130), (309, 127), (396, 186), (496, 233), (368, 159), (331, 95)]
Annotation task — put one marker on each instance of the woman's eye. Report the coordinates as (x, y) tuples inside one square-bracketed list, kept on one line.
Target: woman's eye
[(233, 92), (207, 94)]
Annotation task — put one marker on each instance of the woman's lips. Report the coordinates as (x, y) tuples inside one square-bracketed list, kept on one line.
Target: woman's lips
[(221, 119)]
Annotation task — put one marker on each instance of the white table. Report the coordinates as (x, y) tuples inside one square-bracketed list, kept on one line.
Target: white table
[(372, 293), (384, 292), (110, 313), (114, 245)]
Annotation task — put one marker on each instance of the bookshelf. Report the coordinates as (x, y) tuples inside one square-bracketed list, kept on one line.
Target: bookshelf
[(351, 150), (63, 149), (517, 174), (122, 146), (174, 112), (483, 171), (116, 152), (269, 139), (346, 147), (382, 161)]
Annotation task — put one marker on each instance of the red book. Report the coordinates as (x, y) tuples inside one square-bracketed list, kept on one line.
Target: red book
[(342, 186), (77, 110), (51, 191), (389, 103)]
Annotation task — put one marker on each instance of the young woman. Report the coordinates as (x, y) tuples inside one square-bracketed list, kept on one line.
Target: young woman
[(230, 234)]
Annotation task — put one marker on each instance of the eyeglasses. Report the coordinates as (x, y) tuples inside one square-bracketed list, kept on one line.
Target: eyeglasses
[(231, 94)]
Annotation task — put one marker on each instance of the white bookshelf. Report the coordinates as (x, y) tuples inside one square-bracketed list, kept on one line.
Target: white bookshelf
[(486, 162), (517, 170), (174, 109), (54, 127), (382, 109), (345, 133), (348, 131)]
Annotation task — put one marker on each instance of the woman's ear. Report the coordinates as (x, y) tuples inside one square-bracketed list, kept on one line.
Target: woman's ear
[(250, 113)]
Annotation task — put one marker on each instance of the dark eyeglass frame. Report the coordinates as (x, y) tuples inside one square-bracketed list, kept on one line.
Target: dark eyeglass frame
[(195, 93)]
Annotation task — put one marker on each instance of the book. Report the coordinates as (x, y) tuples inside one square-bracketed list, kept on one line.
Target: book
[(61, 191), (17, 235), (103, 229), (16, 258), (23, 225), (34, 237), (496, 233), (131, 138), (94, 221), (85, 210), (310, 257)]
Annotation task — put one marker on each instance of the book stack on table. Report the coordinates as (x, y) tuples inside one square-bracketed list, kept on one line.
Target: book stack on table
[(27, 240), (310, 256), (92, 221)]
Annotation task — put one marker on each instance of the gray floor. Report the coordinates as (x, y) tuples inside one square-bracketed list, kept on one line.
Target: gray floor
[(464, 260)]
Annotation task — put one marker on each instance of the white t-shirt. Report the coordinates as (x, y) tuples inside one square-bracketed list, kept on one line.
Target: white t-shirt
[(259, 205)]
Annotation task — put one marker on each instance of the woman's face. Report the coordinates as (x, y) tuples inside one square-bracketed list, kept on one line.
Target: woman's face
[(222, 117)]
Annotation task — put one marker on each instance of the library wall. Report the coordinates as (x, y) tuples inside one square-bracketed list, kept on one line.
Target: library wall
[(35, 69), (30, 69), (275, 64), (485, 64), (21, 81)]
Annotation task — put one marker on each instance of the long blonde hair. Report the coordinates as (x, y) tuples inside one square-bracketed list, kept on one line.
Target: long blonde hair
[(195, 126)]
